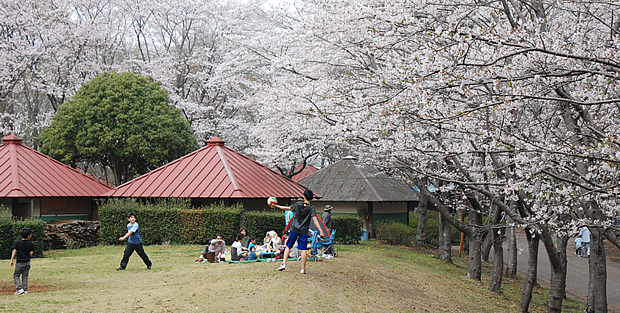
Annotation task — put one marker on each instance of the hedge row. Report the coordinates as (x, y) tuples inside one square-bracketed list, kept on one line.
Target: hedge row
[(10, 232), (348, 228), (200, 225), (174, 221)]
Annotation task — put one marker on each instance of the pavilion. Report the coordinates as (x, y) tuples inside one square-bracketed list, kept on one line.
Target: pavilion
[(212, 174), (355, 188), (33, 184)]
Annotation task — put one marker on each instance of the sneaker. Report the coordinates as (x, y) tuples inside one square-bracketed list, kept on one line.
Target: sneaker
[(282, 267), (120, 269), (19, 292), (25, 292), (303, 271), (149, 267)]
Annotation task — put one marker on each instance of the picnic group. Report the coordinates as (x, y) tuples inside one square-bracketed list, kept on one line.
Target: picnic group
[(293, 244)]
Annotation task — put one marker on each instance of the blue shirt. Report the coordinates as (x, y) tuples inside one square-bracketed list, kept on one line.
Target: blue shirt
[(288, 216), (134, 238), (585, 234)]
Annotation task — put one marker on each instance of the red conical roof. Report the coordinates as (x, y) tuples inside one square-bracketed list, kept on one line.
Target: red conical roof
[(211, 172), (25, 172)]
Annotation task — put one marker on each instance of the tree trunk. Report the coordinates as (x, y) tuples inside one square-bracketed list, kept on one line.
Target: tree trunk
[(445, 245), (558, 276), (486, 246), (597, 287), (475, 246), (498, 261), (420, 238), (511, 242), (532, 271)]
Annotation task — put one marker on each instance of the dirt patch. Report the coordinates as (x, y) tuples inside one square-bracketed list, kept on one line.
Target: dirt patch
[(8, 288)]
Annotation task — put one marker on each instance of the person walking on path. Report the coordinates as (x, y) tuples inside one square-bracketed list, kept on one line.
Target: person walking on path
[(300, 224), (327, 218), (584, 234), (23, 250), (133, 244)]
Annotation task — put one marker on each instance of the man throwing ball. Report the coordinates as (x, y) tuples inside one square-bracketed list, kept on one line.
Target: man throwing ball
[(304, 213)]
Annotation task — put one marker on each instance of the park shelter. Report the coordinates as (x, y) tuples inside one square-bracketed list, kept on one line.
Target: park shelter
[(33, 184), (352, 187), (212, 174)]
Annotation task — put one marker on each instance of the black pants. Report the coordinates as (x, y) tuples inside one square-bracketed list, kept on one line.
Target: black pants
[(129, 251)]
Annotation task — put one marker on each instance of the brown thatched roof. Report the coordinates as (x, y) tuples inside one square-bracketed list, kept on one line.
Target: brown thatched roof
[(350, 180)]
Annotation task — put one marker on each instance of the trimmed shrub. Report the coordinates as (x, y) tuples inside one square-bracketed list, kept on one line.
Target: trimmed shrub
[(200, 225), (348, 228), (6, 234), (396, 233), (11, 231), (259, 223), (38, 234)]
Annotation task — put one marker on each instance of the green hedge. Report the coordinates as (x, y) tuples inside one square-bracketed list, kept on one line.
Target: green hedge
[(396, 233), (200, 225), (10, 232), (168, 221), (259, 223), (348, 228)]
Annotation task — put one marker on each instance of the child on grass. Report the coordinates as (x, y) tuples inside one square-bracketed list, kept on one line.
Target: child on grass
[(252, 249), (23, 250), (133, 244)]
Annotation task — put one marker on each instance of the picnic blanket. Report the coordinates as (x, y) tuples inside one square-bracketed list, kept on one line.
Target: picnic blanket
[(260, 260)]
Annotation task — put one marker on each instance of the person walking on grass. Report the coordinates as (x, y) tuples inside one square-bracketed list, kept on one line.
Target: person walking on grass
[(300, 224), (133, 244), (23, 250)]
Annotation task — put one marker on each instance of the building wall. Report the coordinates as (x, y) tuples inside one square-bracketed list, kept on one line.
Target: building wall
[(59, 208)]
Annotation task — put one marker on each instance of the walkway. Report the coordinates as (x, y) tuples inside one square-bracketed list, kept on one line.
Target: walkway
[(577, 273)]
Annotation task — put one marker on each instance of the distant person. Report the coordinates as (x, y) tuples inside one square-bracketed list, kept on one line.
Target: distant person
[(584, 233), (271, 241), (133, 244), (300, 224), (327, 218), (252, 249), (22, 250), (246, 240), (288, 215), (578, 246), (217, 246), (238, 252)]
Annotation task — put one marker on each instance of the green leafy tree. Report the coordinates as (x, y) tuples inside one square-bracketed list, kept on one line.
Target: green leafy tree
[(122, 122)]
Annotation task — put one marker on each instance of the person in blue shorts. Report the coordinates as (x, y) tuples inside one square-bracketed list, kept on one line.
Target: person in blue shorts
[(133, 244), (300, 224)]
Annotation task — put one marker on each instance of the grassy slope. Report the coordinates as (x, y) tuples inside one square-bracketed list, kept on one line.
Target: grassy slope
[(365, 277)]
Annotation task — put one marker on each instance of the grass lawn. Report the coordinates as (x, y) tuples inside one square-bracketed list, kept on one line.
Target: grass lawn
[(367, 277)]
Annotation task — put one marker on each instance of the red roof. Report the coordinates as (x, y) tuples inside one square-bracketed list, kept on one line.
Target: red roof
[(211, 172), (25, 172)]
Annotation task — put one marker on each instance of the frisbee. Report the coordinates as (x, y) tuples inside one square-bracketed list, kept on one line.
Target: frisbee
[(272, 200)]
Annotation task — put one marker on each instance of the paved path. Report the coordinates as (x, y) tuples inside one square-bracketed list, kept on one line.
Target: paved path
[(577, 273)]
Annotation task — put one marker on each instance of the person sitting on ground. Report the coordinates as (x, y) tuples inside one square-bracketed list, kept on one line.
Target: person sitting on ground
[(280, 250), (238, 252), (271, 241), (217, 246), (252, 249), (246, 240)]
